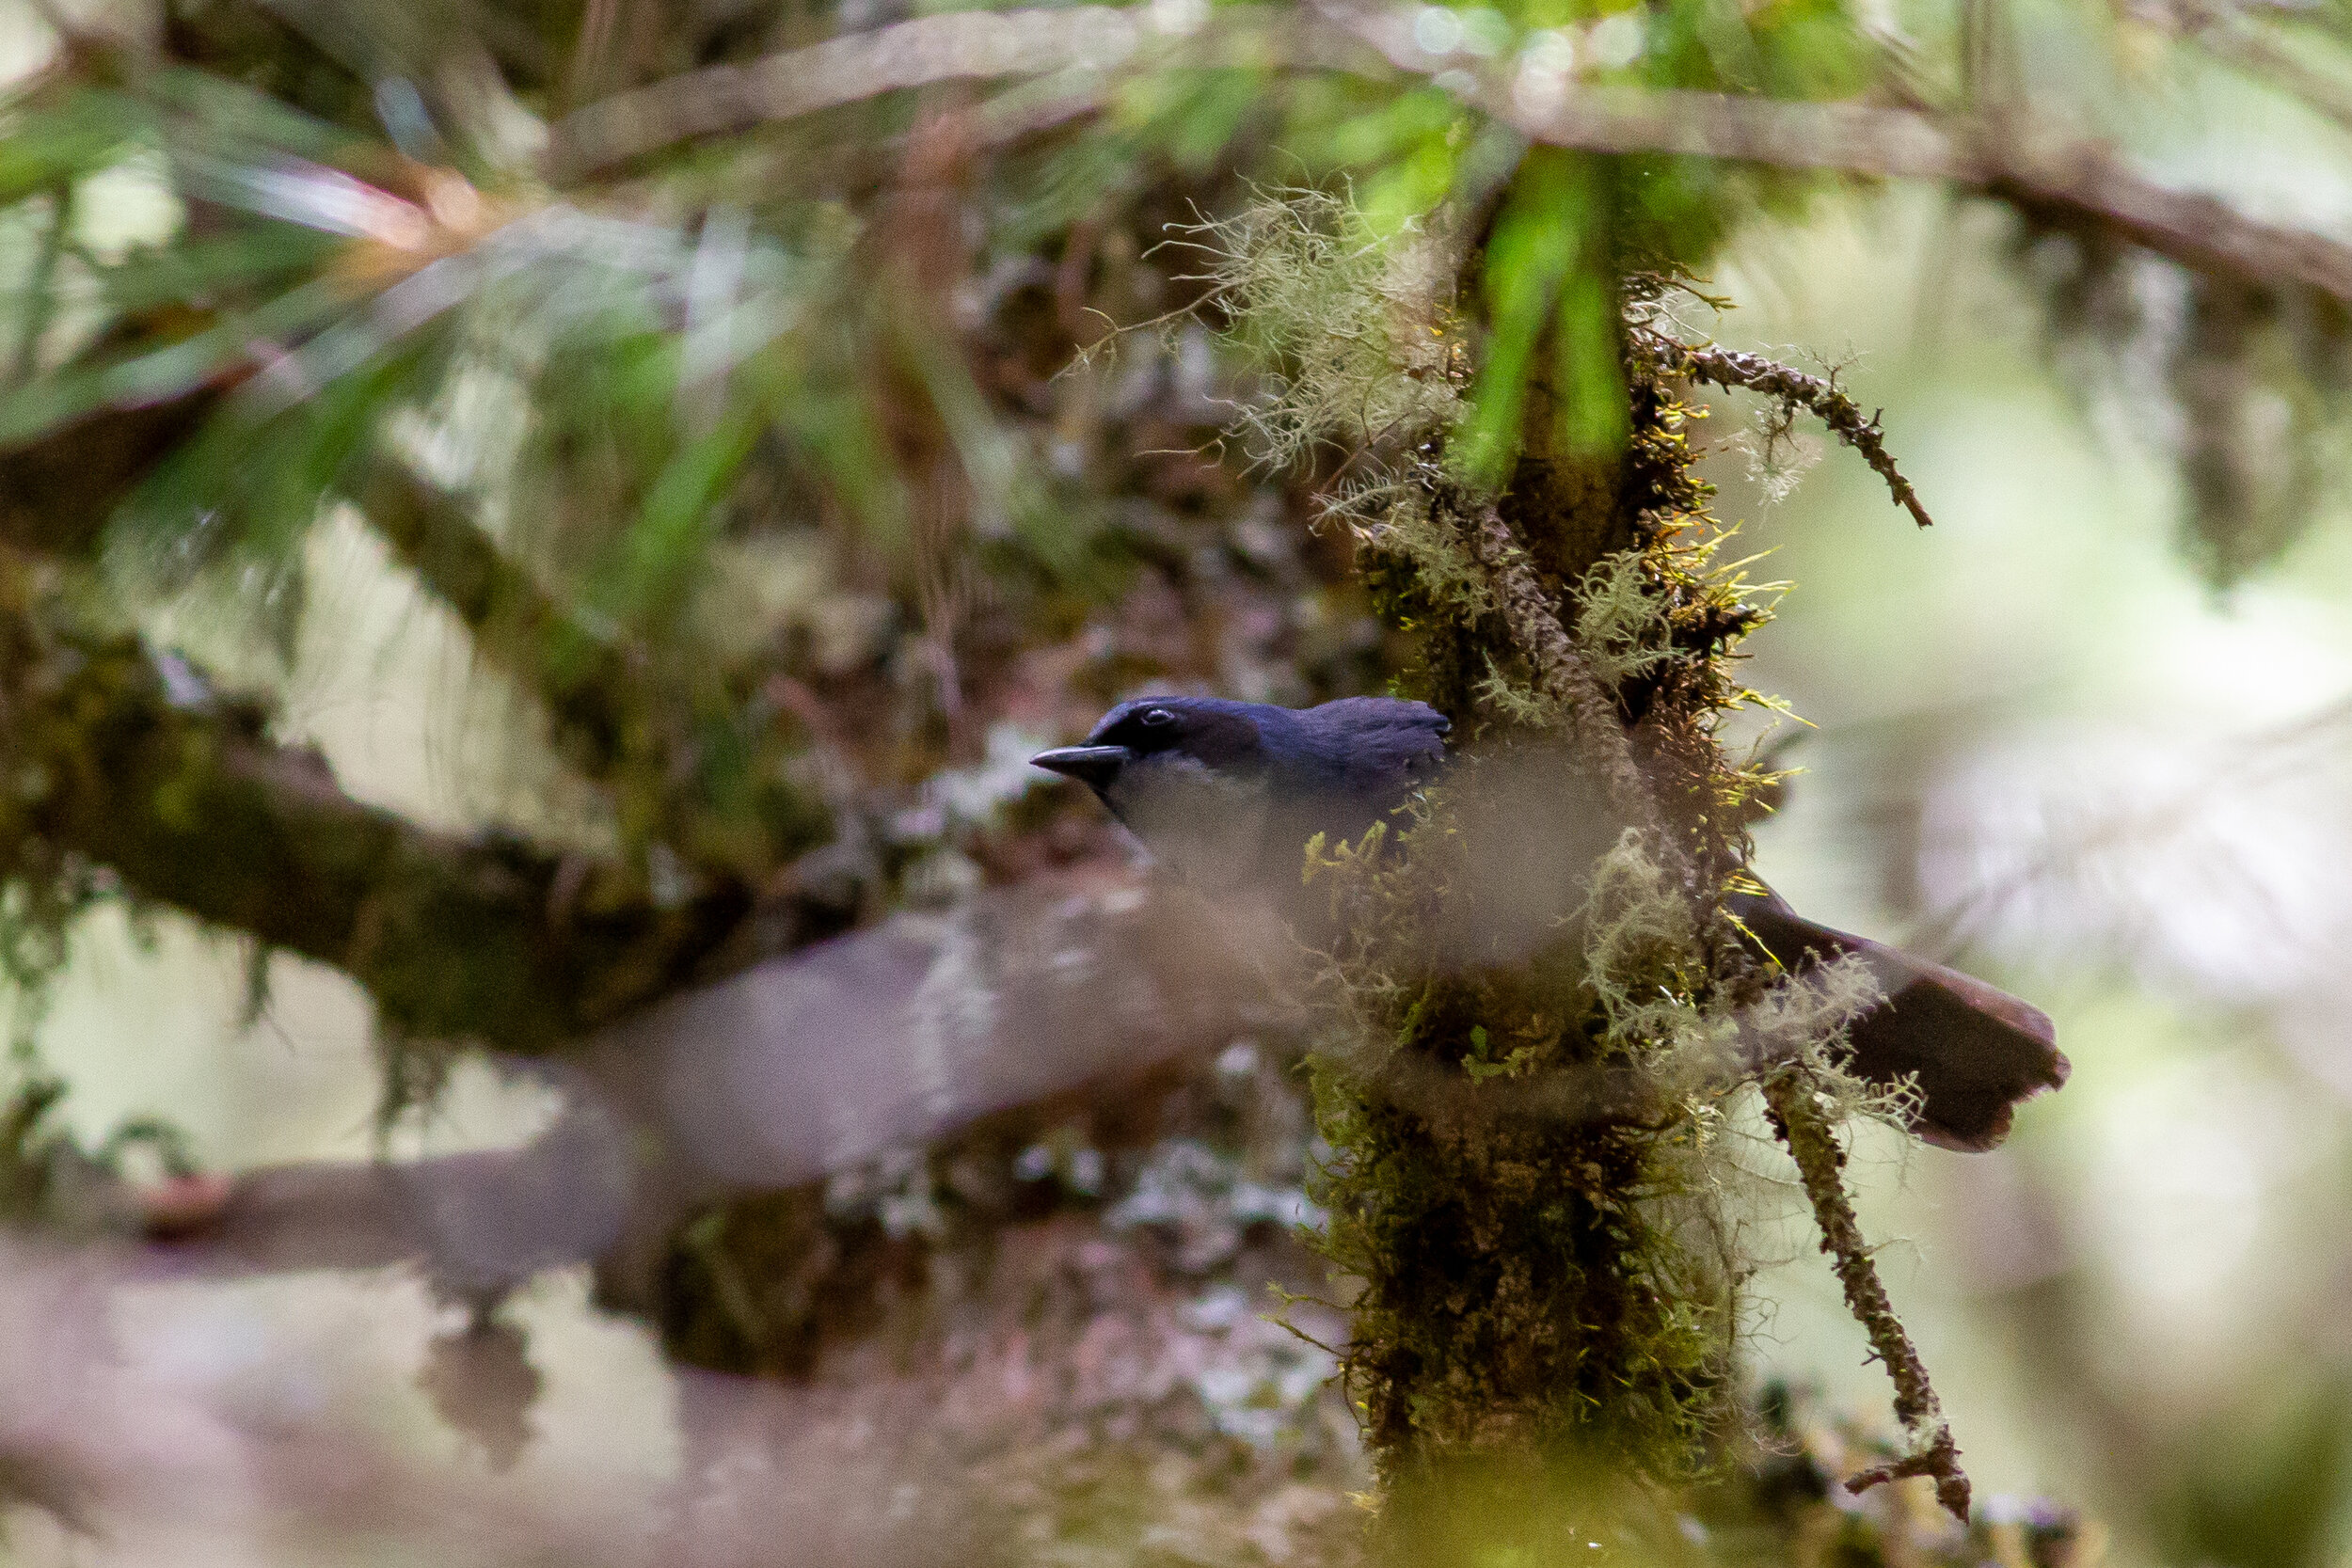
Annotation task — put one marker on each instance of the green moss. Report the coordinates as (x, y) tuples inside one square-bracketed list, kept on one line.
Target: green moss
[(1528, 1282)]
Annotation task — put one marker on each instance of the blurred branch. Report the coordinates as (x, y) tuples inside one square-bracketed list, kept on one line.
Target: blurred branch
[(2082, 185), (959, 46), (2226, 30), (481, 1222), (587, 681), (1084, 44), (2065, 183), (1074, 996), (2068, 183), (127, 758)]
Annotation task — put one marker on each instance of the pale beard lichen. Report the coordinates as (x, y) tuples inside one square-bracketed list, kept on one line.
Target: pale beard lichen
[(1347, 324)]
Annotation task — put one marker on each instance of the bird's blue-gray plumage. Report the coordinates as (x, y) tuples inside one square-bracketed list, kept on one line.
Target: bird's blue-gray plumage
[(1230, 792)]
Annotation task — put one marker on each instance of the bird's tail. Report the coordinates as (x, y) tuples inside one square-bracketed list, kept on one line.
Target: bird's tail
[(1976, 1052)]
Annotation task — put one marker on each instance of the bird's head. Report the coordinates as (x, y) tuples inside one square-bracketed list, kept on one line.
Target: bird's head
[(1226, 790), (1154, 742), (1189, 776)]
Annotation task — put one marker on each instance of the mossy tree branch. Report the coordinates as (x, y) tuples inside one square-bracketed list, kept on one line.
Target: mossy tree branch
[(1816, 395), (127, 759), (1510, 1134)]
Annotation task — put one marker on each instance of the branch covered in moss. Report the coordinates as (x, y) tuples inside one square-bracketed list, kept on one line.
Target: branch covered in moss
[(1818, 395), (127, 759), (1566, 677), (1813, 1144)]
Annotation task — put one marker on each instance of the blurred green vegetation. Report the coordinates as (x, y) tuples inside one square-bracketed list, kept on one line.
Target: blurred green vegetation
[(656, 482)]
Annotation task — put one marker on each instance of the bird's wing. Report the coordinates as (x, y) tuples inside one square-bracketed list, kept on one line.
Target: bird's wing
[(1382, 747)]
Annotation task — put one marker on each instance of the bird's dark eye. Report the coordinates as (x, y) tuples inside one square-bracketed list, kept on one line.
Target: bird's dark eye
[(1153, 718)]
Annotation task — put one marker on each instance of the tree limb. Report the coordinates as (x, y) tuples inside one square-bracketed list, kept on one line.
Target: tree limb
[(2066, 182), (958, 46), (1819, 395), (126, 758), (1813, 1144)]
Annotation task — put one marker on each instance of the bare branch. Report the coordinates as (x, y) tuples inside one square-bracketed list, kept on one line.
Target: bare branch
[(959, 46), (1818, 395), (1813, 1144)]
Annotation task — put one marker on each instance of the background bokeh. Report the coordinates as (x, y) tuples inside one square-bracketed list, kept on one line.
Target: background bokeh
[(2038, 742)]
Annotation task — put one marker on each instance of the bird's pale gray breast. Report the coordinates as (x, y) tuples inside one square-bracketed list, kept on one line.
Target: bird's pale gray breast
[(1206, 824)]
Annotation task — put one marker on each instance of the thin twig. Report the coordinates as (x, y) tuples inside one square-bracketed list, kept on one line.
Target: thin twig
[(1818, 395), (1820, 1162)]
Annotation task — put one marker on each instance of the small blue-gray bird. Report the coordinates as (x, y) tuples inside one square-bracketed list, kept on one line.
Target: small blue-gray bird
[(1228, 792)]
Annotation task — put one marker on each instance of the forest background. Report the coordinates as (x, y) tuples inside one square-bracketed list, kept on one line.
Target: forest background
[(681, 477)]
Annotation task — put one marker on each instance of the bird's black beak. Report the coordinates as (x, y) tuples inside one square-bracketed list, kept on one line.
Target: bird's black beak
[(1092, 766)]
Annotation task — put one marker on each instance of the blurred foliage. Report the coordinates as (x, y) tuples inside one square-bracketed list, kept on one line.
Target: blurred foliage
[(774, 451)]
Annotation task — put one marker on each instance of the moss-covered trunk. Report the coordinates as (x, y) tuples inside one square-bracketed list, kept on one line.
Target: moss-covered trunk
[(1515, 1181)]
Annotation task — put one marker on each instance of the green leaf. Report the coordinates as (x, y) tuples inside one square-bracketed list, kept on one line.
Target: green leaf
[(192, 271), (1536, 243), (41, 148), (1194, 115), (228, 117), (31, 411), (1588, 367), (672, 531)]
